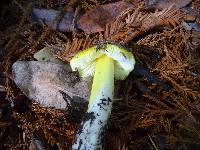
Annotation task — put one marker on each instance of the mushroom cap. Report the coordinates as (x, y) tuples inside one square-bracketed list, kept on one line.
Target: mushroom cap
[(85, 61)]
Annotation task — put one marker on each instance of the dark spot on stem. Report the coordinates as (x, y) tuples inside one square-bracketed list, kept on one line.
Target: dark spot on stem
[(89, 116), (104, 102)]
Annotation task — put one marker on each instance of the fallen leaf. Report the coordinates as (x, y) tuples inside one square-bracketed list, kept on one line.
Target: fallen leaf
[(49, 84), (95, 20), (141, 71), (191, 25), (192, 12), (54, 19), (162, 4), (47, 54)]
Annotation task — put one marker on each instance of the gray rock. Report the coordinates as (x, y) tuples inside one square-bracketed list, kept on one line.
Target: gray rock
[(45, 82)]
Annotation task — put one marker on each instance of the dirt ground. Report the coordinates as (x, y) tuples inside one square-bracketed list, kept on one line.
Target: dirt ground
[(158, 105)]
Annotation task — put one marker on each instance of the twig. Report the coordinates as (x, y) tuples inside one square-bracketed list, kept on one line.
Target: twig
[(152, 142)]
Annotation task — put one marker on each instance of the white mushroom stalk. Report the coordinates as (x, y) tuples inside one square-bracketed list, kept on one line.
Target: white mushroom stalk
[(104, 63)]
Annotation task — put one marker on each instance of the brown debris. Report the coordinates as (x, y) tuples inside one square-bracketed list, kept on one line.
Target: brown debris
[(133, 23), (72, 47), (49, 122)]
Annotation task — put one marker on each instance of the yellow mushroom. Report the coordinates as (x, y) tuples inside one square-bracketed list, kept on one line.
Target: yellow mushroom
[(104, 63)]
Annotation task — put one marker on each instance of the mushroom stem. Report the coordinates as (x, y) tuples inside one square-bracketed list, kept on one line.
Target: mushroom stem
[(100, 105)]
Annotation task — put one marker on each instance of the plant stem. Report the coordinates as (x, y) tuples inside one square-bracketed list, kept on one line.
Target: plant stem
[(100, 105)]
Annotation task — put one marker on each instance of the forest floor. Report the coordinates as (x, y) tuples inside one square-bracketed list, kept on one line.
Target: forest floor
[(158, 105)]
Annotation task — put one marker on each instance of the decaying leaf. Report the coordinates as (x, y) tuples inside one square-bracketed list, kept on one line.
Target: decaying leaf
[(191, 26), (54, 19), (45, 82), (46, 54), (95, 20), (91, 22), (162, 4)]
